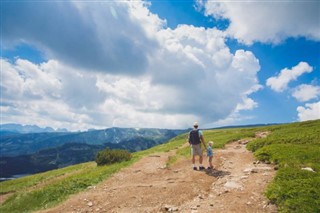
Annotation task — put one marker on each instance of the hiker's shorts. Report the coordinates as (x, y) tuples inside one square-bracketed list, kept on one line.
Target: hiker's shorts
[(196, 150)]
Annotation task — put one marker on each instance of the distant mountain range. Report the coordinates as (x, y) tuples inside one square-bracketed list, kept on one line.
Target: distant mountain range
[(16, 144), (18, 128), (65, 155), (36, 152), (29, 149)]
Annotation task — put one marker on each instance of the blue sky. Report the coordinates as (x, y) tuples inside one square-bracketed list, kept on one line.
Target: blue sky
[(161, 64)]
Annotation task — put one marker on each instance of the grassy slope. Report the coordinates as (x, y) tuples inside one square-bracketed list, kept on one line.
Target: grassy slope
[(291, 146)]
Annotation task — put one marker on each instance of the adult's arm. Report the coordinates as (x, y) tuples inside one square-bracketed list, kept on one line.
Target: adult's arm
[(202, 140)]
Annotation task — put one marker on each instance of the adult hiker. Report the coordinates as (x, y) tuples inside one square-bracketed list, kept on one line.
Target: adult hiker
[(195, 139)]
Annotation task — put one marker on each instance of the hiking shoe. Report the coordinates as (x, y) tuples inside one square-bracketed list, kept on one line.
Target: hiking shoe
[(201, 168), (195, 168), (209, 168)]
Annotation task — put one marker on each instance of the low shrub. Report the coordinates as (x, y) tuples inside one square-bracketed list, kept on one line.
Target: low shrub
[(108, 156)]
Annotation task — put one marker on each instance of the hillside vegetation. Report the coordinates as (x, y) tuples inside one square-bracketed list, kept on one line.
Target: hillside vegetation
[(291, 147)]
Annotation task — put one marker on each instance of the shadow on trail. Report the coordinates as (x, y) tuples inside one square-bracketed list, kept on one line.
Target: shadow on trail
[(217, 173)]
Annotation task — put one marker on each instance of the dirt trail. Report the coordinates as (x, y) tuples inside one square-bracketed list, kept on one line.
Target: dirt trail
[(236, 185)]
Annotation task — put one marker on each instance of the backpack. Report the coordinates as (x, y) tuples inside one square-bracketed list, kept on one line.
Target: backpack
[(194, 137)]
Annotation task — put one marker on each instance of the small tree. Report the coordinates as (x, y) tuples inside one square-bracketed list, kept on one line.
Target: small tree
[(108, 156)]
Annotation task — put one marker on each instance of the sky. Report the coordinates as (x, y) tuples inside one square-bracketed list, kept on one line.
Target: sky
[(159, 64)]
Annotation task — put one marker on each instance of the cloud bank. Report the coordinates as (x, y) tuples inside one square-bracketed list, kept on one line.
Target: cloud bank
[(267, 21), (272, 22), (115, 64), (98, 36)]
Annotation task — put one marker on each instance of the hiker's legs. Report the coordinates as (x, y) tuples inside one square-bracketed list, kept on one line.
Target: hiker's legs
[(199, 152), (196, 150), (200, 160), (193, 154)]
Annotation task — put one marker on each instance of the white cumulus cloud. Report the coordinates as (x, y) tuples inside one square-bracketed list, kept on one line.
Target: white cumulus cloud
[(306, 92), (280, 83), (48, 94), (311, 111), (247, 104)]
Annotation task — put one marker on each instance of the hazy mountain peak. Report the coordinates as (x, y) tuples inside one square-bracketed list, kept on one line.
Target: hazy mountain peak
[(19, 128)]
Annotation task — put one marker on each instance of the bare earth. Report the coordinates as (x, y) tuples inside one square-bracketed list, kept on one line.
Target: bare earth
[(235, 185)]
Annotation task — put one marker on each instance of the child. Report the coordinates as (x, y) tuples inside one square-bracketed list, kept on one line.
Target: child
[(210, 154)]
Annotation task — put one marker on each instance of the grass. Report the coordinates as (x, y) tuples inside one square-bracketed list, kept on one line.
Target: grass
[(293, 147), (221, 137), (41, 178), (51, 194), (295, 190)]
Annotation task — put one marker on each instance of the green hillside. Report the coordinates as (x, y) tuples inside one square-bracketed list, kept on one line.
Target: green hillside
[(291, 147)]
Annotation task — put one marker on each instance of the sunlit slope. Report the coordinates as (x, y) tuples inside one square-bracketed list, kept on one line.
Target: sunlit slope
[(295, 148)]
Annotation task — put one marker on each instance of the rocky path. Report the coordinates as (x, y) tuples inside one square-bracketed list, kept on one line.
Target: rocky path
[(236, 185)]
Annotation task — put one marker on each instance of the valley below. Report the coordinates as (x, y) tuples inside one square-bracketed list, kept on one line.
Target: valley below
[(31, 153)]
